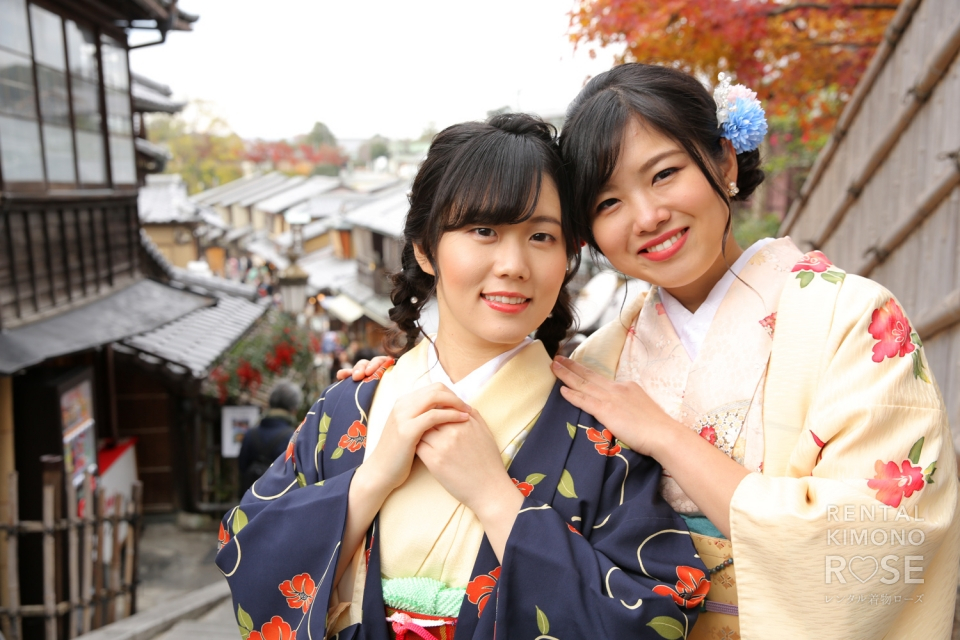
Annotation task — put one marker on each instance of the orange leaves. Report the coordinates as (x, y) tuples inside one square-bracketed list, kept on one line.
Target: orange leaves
[(800, 58)]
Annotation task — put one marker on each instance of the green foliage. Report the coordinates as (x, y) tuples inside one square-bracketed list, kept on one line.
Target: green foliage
[(326, 170), (748, 228), (205, 152), (321, 135)]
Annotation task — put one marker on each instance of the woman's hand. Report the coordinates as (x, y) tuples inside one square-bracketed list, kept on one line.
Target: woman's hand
[(464, 458), (619, 406), (414, 414), (363, 369)]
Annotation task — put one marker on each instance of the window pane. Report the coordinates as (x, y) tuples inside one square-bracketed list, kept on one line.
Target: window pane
[(122, 161), (20, 150), (114, 64), (93, 169), (118, 112), (81, 51), (13, 27), (16, 85), (54, 108), (58, 148), (86, 105), (47, 38)]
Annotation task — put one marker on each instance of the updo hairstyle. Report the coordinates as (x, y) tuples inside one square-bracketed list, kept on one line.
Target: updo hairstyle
[(670, 101), (479, 173)]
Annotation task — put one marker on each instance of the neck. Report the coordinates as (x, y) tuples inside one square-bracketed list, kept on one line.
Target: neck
[(459, 358), (692, 295)]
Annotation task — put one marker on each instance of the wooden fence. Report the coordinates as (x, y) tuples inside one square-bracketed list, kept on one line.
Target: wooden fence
[(75, 535)]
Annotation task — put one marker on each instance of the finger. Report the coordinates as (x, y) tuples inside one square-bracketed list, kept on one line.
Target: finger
[(440, 395), (343, 374), (567, 376), (360, 370), (434, 417), (376, 363), (581, 400), (578, 369)]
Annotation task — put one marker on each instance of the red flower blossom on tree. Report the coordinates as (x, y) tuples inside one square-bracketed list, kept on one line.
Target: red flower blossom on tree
[(525, 487), (892, 329), (480, 588), (692, 587), (709, 434), (250, 377), (224, 538), (355, 438), (298, 591), (814, 261), (894, 483), (276, 629), (604, 442), (379, 372)]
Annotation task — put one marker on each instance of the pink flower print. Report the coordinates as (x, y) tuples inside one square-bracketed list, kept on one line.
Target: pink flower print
[(894, 483), (814, 261), (892, 329), (769, 323)]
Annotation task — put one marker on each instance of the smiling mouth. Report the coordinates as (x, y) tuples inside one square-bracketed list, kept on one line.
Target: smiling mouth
[(504, 299), (666, 244)]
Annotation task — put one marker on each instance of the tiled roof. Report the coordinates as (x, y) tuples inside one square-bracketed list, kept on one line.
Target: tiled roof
[(196, 340), (385, 215)]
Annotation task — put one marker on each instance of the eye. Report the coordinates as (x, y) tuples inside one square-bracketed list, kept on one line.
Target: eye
[(542, 237), (485, 232), (663, 175), (606, 204)]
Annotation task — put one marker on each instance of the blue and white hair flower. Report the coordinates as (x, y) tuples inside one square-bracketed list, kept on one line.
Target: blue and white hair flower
[(740, 115)]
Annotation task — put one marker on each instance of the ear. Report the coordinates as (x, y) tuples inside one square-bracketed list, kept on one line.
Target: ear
[(422, 260), (729, 162)]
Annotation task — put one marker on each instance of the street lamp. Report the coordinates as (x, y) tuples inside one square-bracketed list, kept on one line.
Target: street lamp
[(293, 279)]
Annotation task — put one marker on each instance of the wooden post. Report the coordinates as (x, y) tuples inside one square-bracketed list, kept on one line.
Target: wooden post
[(50, 486), (13, 567), (136, 529), (128, 553), (113, 584), (73, 523), (86, 590), (98, 611), (7, 467)]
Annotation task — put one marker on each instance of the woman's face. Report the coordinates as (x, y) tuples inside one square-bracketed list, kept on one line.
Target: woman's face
[(658, 219), (497, 284)]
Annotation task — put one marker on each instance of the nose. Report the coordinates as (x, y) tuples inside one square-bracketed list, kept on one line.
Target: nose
[(511, 259), (648, 215)]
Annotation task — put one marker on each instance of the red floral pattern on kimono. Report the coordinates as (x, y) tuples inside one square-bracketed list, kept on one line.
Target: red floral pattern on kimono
[(813, 261), (894, 483), (480, 588), (709, 434), (299, 591), (276, 629), (604, 442), (355, 438), (389, 362), (890, 326), (224, 538), (692, 587), (525, 487)]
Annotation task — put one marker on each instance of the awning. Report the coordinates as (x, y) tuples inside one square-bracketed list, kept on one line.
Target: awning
[(343, 308), (141, 307), (377, 309)]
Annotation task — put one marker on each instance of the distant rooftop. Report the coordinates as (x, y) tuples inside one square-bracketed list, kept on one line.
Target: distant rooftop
[(385, 215)]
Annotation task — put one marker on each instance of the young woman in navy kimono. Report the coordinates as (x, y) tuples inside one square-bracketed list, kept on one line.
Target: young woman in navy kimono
[(457, 491)]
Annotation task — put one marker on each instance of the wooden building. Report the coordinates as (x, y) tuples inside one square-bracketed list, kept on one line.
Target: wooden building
[(883, 198), (71, 279)]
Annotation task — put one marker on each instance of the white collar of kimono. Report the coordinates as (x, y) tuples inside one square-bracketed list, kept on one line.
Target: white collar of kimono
[(692, 328), (468, 387)]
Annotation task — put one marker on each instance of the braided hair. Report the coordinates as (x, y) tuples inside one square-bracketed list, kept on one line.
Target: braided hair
[(479, 173)]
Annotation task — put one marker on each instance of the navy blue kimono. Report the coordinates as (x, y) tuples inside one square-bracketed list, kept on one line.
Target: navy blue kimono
[(595, 552)]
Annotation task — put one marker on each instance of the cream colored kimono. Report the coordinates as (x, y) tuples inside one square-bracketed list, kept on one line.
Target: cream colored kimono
[(813, 380)]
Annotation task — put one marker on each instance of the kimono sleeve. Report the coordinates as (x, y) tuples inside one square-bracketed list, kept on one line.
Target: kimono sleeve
[(279, 548), (632, 574), (864, 524)]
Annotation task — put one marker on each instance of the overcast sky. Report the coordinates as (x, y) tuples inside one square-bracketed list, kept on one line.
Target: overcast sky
[(392, 67)]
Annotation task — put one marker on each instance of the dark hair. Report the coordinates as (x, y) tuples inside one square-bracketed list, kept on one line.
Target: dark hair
[(673, 103), (286, 395), (479, 173)]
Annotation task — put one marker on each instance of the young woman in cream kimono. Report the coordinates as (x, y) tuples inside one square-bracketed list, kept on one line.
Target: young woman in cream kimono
[(405, 504), (802, 435)]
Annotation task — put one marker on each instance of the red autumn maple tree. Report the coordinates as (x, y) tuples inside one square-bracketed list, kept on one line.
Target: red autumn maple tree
[(802, 58)]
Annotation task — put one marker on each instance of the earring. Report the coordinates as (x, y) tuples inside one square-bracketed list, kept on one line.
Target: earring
[(413, 300), (733, 189)]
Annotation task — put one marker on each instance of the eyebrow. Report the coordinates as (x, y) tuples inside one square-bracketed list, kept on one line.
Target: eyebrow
[(536, 219), (657, 158)]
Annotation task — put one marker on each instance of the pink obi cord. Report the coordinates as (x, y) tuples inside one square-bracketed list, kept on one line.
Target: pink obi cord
[(402, 623)]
